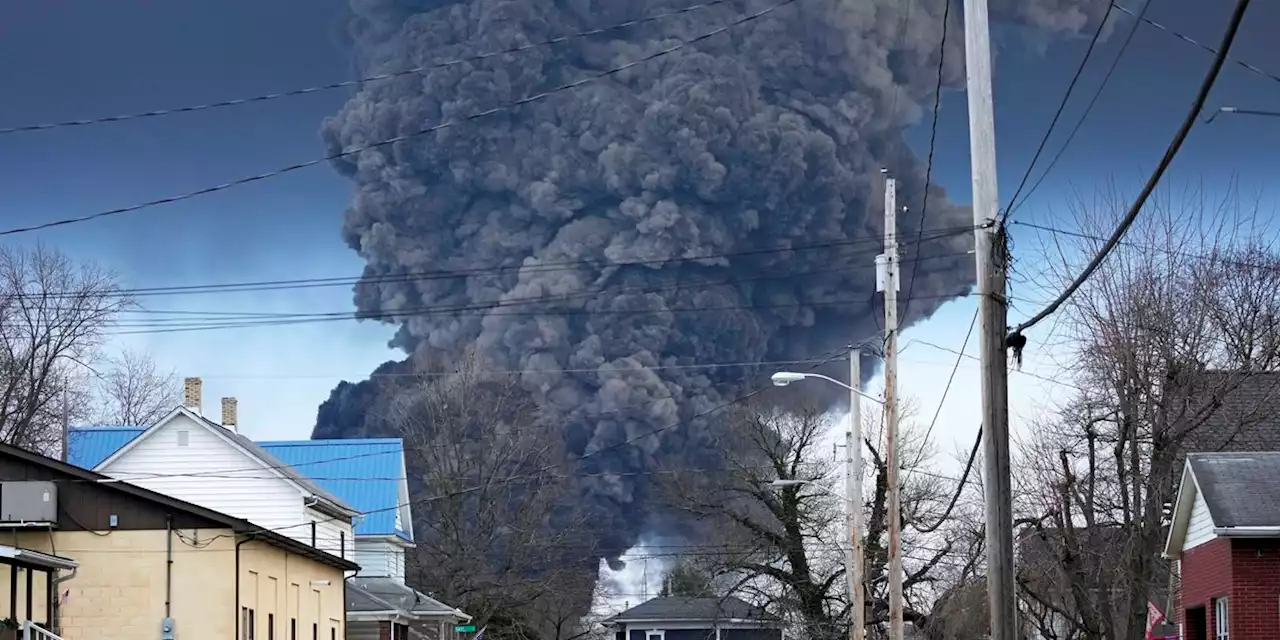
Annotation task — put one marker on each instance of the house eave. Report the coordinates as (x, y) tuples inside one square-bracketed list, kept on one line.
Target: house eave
[(1248, 532), (763, 623), (386, 537), (377, 616)]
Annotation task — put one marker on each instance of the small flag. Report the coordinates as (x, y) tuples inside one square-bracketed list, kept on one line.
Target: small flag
[(1154, 618), (480, 634)]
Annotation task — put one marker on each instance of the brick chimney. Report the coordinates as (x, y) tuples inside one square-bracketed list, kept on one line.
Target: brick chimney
[(229, 413), (191, 399)]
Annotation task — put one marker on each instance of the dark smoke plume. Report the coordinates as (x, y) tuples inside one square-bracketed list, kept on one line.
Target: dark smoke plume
[(772, 135)]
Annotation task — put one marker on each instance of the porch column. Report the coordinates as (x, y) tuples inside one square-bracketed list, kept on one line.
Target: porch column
[(50, 603), (30, 588), (13, 591)]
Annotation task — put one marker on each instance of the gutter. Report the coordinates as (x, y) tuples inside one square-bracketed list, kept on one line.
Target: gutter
[(1248, 532), (237, 599)]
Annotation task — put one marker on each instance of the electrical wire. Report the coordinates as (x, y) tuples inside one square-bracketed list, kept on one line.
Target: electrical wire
[(403, 137), (933, 141), (1115, 62), (538, 474), (945, 390), (968, 466), (440, 274), (1233, 27), (1188, 39), (362, 81), (1044, 140)]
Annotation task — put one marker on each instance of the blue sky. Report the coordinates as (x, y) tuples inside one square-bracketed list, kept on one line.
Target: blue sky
[(86, 59)]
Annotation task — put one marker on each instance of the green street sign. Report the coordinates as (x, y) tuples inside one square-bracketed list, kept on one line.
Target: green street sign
[(465, 628)]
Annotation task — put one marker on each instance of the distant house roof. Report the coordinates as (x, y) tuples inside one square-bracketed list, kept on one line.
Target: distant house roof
[(400, 597), (695, 610), (1247, 415), (238, 525), (362, 473), (1240, 489)]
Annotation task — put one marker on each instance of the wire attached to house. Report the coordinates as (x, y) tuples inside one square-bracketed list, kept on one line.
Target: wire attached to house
[(480, 115), (1197, 105), (362, 81)]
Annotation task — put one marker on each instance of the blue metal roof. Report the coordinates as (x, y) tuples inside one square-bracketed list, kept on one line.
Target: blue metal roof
[(365, 473)]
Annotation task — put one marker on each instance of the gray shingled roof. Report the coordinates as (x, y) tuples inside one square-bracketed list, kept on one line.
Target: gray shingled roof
[(697, 609), (1241, 489), (1248, 415)]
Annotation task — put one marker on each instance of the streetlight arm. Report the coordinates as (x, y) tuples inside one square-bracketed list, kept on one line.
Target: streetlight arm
[(783, 378)]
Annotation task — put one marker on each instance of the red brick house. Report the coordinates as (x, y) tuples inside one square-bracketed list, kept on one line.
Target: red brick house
[(1225, 538)]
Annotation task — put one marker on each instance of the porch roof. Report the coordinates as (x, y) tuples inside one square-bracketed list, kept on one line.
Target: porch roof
[(34, 559)]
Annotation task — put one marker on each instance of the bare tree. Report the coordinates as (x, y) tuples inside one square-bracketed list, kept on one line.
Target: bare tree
[(786, 546), (53, 318), (497, 533), (1180, 316), (132, 391)]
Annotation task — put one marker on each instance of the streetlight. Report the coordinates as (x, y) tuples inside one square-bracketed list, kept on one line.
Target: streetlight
[(853, 484)]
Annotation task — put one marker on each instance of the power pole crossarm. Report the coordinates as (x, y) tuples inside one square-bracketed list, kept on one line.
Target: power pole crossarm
[(992, 313)]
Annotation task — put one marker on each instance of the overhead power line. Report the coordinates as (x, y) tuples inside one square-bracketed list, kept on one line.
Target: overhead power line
[(1233, 27), (404, 137), (1071, 87), (1188, 39), (492, 270), (933, 141), (595, 452), (361, 81), (1084, 115)]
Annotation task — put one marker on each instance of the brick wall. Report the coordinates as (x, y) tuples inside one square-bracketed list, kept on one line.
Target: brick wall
[(1255, 592), (1206, 574)]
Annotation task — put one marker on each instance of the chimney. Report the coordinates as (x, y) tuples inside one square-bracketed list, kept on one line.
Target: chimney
[(191, 394), (229, 413)]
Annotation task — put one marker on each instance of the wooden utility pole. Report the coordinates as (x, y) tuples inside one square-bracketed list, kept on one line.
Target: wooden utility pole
[(992, 263), (853, 488), (890, 285)]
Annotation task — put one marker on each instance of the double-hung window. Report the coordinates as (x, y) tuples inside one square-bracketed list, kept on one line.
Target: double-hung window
[(1221, 620)]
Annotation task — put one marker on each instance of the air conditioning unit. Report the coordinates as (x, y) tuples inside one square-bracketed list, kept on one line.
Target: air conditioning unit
[(28, 504)]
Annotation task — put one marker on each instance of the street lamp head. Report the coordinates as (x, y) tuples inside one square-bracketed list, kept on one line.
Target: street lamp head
[(784, 378), (787, 483)]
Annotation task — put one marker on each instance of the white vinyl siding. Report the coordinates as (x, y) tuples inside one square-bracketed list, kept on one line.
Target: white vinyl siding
[(379, 558), (209, 472), (361, 630), (332, 534), (1199, 524)]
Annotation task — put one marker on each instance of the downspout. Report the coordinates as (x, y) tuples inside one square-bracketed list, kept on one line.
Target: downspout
[(237, 599), (168, 565), (55, 585)]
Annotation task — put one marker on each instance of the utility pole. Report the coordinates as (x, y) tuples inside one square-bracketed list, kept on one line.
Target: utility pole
[(66, 417), (890, 286), (993, 323), (853, 488)]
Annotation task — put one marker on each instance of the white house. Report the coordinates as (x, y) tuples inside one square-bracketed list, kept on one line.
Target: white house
[(192, 458)]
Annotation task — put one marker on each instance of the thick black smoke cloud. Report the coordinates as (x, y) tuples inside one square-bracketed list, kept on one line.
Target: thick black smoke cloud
[(770, 136)]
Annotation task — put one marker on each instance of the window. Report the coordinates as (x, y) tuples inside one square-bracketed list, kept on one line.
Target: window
[(184, 438), (271, 626), (1221, 619), (654, 635), (247, 623), (293, 629), (315, 631), (333, 633)]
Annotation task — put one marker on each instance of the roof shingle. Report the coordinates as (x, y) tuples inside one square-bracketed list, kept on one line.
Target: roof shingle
[(1241, 489)]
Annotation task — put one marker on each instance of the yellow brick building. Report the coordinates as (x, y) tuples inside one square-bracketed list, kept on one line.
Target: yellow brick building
[(115, 561)]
